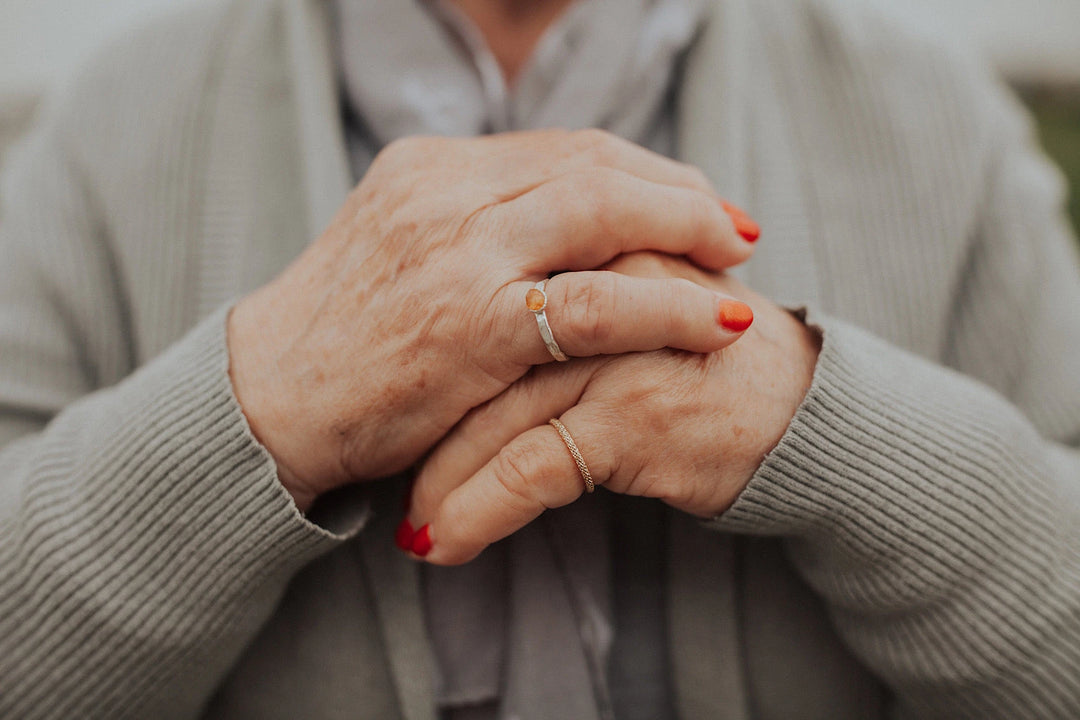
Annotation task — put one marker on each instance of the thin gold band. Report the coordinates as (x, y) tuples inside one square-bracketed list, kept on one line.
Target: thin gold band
[(573, 448)]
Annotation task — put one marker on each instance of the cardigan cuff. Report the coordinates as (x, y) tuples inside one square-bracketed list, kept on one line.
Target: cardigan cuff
[(192, 479), (894, 464)]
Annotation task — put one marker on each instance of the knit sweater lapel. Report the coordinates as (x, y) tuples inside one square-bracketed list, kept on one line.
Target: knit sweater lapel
[(722, 122), (325, 162)]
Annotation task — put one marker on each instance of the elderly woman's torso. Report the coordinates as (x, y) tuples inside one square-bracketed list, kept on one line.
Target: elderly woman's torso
[(793, 110)]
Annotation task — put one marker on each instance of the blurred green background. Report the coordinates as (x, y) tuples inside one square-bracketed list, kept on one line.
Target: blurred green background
[(1057, 110)]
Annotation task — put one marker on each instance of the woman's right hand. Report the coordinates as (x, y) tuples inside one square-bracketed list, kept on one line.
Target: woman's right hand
[(409, 310)]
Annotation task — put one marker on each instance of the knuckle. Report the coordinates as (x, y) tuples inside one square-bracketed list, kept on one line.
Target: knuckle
[(600, 146), (516, 471), (679, 312), (591, 137), (697, 178), (589, 308), (702, 213), (626, 264), (599, 197), (587, 202), (640, 263)]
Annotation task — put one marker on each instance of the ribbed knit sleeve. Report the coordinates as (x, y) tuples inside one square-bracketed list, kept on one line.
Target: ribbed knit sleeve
[(941, 529), (937, 509), (144, 536), (148, 541)]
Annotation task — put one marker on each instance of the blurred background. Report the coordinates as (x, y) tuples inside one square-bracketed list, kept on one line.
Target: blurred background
[(1035, 44)]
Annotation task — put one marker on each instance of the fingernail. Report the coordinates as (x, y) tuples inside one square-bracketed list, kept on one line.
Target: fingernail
[(403, 536), (735, 316), (744, 224), (421, 542)]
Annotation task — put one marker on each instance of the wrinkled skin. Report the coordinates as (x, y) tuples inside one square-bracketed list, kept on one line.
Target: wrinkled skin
[(685, 428), (408, 311)]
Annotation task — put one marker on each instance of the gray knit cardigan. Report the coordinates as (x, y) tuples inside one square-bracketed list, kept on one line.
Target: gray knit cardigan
[(911, 548)]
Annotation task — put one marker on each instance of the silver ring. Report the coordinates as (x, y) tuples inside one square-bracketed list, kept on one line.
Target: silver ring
[(536, 304)]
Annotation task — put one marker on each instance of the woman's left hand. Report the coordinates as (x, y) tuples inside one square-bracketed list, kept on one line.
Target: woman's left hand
[(688, 429)]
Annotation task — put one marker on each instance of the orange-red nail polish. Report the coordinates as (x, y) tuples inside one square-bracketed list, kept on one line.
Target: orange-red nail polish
[(735, 316), (421, 542), (403, 537), (744, 224)]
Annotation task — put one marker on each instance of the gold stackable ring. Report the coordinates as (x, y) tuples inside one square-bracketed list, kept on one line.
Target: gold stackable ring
[(573, 448), (536, 301)]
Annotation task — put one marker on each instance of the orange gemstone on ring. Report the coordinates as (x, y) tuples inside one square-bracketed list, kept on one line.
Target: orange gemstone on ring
[(535, 300)]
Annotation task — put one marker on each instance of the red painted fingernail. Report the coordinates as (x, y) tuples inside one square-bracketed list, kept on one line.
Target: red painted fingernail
[(403, 536), (735, 316), (744, 224), (421, 542)]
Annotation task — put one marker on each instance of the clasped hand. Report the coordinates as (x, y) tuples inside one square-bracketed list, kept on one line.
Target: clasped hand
[(686, 428), (407, 314)]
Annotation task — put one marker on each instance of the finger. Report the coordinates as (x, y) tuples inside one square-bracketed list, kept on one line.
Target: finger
[(532, 153), (599, 148), (650, 264), (533, 473), (582, 220), (606, 313), (658, 265), (544, 393)]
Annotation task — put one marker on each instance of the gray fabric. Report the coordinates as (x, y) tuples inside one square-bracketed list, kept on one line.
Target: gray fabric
[(524, 630), (638, 669), (539, 658), (918, 522), (466, 610)]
